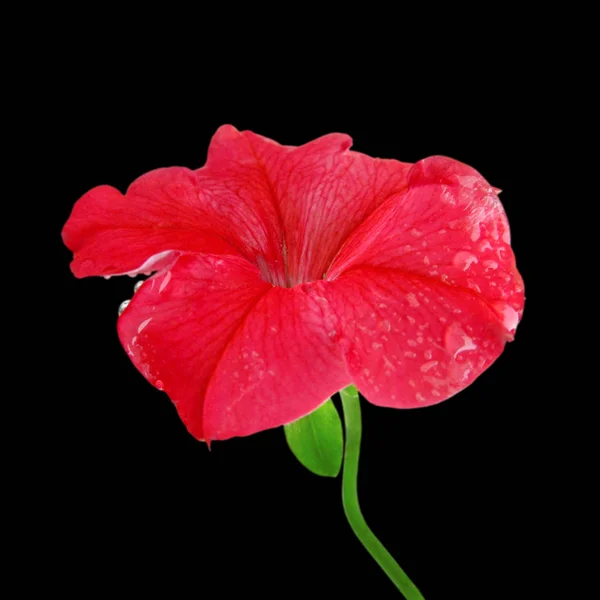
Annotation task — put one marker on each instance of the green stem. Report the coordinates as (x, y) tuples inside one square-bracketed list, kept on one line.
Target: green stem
[(384, 559)]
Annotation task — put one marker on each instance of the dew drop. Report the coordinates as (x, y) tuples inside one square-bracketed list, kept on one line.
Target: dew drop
[(412, 300), (123, 306), (164, 282), (501, 253), (457, 341), (159, 385), (509, 314), (388, 364), (473, 286), (138, 285), (143, 325), (463, 260), (428, 365), (107, 277)]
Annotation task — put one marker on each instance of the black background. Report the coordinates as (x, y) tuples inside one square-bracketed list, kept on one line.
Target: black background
[(138, 505)]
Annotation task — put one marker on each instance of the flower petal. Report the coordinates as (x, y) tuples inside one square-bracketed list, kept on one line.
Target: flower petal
[(449, 227), (180, 321), (320, 190), (410, 342), (161, 215), (284, 363), (233, 352), (427, 288)]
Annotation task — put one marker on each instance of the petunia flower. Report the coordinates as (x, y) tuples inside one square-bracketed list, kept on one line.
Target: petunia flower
[(284, 274), (282, 268)]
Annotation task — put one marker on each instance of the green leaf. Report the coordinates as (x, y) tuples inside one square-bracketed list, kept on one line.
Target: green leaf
[(317, 441)]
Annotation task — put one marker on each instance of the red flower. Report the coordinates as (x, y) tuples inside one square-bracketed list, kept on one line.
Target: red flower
[(286, 273)]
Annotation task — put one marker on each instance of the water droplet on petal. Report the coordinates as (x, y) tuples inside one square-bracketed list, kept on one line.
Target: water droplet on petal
[(490, 265), (143, 325), (123, 306), (510, 316), (457, 341), (463, 260), (412, 300), (501, 253), (165, 282), (428, 365), (159, 385), (107, 277), (138, 285)]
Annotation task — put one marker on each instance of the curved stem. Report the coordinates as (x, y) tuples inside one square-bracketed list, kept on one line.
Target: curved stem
[(384, 559)]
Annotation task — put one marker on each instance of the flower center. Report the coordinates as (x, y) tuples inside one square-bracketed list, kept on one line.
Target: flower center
[(277, 272)]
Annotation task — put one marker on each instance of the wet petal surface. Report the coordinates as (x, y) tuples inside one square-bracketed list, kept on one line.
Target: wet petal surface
[(232, 352), (409, 343)]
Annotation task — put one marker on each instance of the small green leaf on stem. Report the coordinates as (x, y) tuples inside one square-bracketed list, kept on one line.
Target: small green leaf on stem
[(317, 440)]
